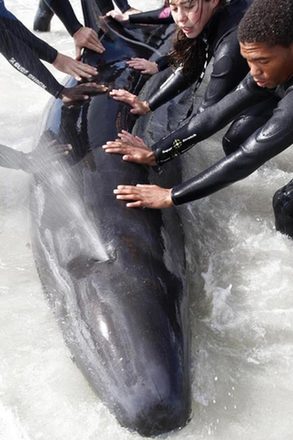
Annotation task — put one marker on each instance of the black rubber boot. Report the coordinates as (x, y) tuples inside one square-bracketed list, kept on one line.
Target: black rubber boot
[(43, 18)]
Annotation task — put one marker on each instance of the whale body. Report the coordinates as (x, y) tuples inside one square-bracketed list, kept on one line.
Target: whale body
[(114, 276)]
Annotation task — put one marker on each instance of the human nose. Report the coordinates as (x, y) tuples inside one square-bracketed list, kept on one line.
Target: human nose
[(255, 69), (181, 16)]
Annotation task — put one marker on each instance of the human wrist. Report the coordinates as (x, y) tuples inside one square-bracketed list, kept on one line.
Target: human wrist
[(151, 159), (145, 107)]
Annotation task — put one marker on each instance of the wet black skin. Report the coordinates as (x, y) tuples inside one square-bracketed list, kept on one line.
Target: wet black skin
[(124, 314)]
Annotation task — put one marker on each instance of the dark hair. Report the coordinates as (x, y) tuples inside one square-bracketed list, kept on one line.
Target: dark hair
[(190, 53), (268, 21)]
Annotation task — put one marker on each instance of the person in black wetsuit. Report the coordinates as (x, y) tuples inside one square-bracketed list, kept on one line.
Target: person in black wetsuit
[(84, 37), (23, 51), (157, 16), (266, 41), (47, 8), (207, 30)]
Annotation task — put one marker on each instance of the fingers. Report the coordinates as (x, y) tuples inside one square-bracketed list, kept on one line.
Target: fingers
[(82, 70), (124, 136), (122, 95), (145, 196), (93, 88), (96, 46), (143, 65), (130, 194), (129, 138), (62, 149), (87, 37), (73, 67), (116, 15), (82, 92), (118, 147)]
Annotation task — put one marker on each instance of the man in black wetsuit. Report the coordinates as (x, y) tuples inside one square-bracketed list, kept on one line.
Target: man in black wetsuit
[(23, 51), (266, 41)]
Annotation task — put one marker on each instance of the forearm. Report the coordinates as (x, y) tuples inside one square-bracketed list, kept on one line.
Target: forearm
[(40, 47), (22, 58), (122, 5), (204, 124), (275, 136), (10, 158), (173, 86), (64, 11)]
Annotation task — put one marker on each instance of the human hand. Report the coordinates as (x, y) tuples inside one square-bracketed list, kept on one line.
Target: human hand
[(144, 196), (44, 155), (81, 92), (138, 107), (119, 16), (72, 67), (143, 65), (87, 37), (132, 148)]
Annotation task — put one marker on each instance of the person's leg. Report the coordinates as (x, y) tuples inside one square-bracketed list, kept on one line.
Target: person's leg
[(283, 209), (43, 17)]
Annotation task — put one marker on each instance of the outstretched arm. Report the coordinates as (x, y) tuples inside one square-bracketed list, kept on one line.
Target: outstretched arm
[(43, 50), (273, 138), (198, 128), (84, 37), (34, 161)]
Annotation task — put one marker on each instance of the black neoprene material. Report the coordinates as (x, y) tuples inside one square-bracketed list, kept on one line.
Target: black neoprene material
[(271, 139), (229, 68), (64, 11), (151, 17), (23, 50)]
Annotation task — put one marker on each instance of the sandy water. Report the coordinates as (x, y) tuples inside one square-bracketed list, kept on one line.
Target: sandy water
[(241, 274)]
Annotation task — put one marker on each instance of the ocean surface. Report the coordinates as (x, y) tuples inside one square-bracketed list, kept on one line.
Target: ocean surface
[(241, 277)]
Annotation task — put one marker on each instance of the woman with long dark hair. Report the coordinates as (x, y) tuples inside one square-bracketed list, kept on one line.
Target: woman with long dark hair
[(206, 30)]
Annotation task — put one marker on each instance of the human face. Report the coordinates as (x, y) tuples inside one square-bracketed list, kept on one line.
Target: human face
[(191, 16), (269, 66)]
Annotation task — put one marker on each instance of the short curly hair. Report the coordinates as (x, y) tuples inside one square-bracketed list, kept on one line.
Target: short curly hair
[(268, 21)]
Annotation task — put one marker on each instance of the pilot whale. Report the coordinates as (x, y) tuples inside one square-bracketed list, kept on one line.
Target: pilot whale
[(115, 277)]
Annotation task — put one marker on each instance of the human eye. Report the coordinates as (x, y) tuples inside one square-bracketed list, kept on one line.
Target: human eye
[(173, 8), (192, 5), (263, 61)]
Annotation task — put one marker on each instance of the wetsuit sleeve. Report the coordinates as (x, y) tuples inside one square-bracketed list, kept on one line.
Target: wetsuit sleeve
[(23, 59), (173, 86), (204, 124), (122, 5), (229, 68), (64, 11), (157, 16), (10, 158), (163, 62), (11, 23), (274, 137)]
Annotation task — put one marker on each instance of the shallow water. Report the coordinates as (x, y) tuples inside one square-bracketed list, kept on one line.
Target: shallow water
[(241, 272)]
